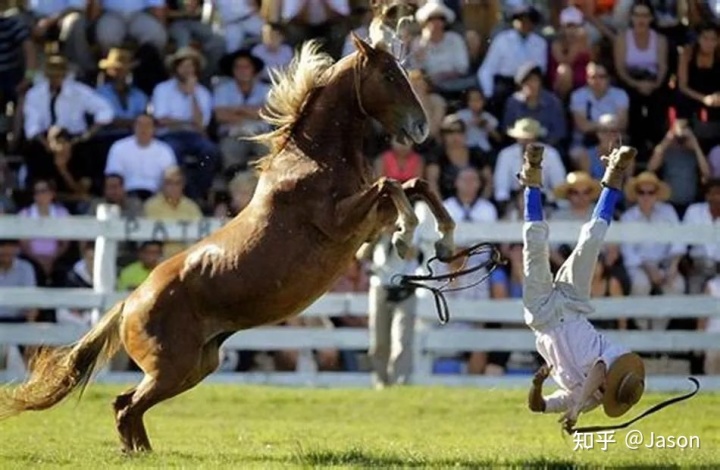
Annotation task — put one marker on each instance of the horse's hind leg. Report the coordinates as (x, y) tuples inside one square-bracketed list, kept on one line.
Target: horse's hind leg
[(419, 188), (153, 390)]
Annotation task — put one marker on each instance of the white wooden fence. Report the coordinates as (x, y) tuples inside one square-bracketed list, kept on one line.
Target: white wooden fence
[(431, 340)]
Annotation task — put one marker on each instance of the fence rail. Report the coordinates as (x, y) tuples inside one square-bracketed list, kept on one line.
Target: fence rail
[(108, 229)]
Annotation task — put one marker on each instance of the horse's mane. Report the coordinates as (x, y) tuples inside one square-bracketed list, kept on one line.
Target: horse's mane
[(290, 91)]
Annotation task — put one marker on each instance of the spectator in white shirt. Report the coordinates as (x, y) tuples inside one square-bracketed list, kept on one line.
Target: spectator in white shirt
[(508, 51), (183, 108), (704, 257), (239, 22), (272, 50), (652, 266), (237, 103), (441, 54), (510, 159), (63, 102), (468, 205), (481, 126), (141, 159), (142, 20)]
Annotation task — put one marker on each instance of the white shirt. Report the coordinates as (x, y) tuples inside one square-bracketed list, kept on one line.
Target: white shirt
[(508, 51), (572, 348), (635, 254), (141, 167), (448, 55), (74, 101), (476, 136), (169, 102), (481, 210), (509, 163), (315, 8), (699, 213)]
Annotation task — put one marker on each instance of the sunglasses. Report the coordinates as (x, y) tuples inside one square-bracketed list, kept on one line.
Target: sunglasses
[(646, 193)]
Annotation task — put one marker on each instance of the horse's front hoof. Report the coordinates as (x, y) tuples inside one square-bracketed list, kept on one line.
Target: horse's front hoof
[(401, 246), (443, 251)]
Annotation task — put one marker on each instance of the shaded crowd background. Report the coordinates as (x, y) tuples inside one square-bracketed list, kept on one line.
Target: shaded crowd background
[(144, 104)]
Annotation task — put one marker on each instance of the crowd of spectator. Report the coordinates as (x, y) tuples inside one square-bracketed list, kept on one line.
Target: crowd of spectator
[(144, 103)]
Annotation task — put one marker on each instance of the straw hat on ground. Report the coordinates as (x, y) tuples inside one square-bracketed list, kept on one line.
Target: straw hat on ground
[(643, 179), (526, 128), (433, 8), (578, 180), (624, 385)]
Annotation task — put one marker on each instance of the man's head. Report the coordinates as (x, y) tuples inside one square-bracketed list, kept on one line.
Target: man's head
[(647, 189), (114, 188), (598, 79), (150, 254), (524, 18), (624, 384), (185, 63), (173, 183), (526, 131), (468, 183), (9, 249), (117, 64), (529, 79), (144, 129), (56, 69), (242, 65)]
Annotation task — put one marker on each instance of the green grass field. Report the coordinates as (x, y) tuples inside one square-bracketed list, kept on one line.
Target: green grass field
[(225, 426)]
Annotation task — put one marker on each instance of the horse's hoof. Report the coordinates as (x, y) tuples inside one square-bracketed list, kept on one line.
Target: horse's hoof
[(442, 251), (401, 246)]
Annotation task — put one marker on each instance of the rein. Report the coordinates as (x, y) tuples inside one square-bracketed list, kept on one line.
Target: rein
[(443, 311), (654, 409)]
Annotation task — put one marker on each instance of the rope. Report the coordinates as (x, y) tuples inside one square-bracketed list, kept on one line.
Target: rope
[(443, 311), (650, 411)]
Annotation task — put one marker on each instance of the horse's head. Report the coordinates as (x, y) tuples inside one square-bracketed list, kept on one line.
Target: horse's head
[(384, 91)]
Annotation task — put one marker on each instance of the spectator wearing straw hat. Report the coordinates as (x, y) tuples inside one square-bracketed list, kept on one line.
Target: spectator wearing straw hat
[(441, 54), (533, 101), (652, 267), (183, 109), (509, 161), (141, 20), (128, 101)]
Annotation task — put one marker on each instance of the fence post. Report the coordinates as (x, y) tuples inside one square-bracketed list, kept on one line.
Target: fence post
[(104, 265)]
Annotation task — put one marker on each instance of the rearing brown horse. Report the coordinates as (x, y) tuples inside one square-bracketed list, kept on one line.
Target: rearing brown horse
[(315, 205)]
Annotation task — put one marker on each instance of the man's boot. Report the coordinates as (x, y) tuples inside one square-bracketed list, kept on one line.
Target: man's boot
[(617, 164), (530, 174)]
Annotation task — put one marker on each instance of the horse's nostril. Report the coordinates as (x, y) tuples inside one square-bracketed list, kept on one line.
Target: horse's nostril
[(421, 127)]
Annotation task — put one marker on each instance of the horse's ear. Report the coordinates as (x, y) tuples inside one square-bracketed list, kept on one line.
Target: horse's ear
[(362, 46)]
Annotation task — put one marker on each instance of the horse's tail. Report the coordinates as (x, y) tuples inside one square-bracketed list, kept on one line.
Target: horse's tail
[(56, 372)]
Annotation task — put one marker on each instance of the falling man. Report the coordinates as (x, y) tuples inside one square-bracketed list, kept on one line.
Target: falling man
[(589, 369)]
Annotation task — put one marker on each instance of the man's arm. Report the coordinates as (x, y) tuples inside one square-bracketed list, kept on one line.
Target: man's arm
[(536, 402)]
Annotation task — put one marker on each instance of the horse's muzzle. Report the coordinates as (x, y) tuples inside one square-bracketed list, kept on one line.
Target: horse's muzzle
[(418, 130)]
